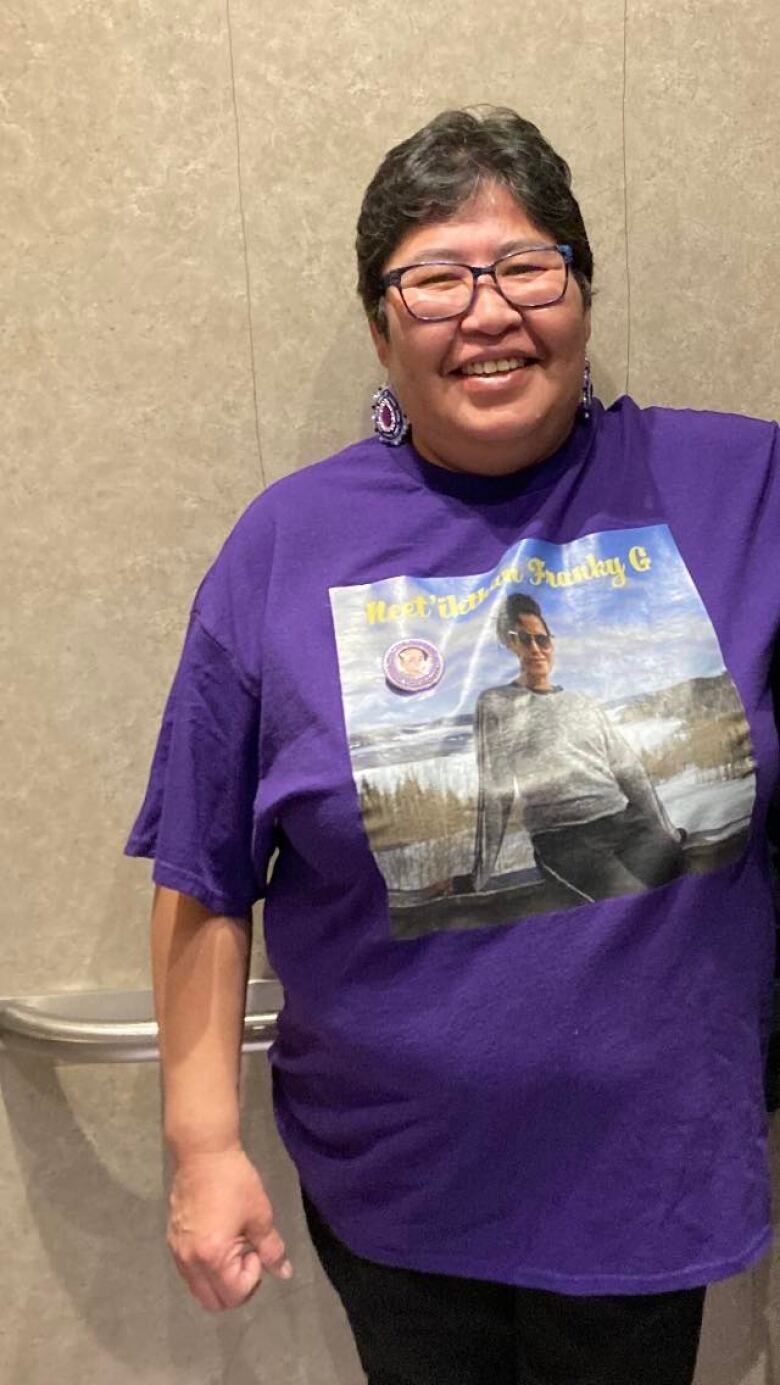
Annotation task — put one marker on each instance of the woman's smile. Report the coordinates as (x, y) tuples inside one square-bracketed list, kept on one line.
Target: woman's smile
[(485, 381)]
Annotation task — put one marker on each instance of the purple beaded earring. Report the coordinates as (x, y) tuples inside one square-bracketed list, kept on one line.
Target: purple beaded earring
[(586, 398), (390, 422)]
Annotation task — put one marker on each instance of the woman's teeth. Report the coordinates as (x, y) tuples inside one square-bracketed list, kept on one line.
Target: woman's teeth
[(501, 367)]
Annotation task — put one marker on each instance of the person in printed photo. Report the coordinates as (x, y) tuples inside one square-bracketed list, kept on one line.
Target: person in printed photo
[(594, 818)]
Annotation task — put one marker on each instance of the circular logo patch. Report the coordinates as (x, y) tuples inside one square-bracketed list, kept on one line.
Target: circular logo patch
[(413, 665)]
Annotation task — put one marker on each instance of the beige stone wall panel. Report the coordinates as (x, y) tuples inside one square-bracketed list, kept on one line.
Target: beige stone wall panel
[(703, 131), (129, 439)]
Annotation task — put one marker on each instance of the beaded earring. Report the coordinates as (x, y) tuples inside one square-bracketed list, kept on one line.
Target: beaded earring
[(390, 422)]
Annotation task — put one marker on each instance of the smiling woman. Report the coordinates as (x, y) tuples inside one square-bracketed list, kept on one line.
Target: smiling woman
[(502, 964)]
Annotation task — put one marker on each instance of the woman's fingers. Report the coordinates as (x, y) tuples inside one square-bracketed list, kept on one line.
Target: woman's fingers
[(199, 1282), (220, 1277), (270, 1248), (221, 1230), (239, 1277)]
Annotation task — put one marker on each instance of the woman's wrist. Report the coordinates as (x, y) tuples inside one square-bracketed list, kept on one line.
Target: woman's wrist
[(188, 1134), (184, 1147)]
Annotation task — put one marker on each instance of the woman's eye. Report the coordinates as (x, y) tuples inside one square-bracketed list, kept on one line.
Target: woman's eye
[(438, 281)]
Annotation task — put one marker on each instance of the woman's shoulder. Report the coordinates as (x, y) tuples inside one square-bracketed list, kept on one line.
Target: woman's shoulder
[(503, 695), (500, 695), (294, 515), (694, 456), (324, 479), (299, 501), (685, 427)]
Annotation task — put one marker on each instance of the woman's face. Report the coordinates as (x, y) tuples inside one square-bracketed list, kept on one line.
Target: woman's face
[(528, 640), (496, 424), (413, 660)]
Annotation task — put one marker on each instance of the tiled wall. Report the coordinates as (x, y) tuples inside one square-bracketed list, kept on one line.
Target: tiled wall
[(167, 169)]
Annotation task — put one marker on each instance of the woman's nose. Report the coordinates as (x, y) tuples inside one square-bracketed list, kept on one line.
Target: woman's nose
[(489, 311)]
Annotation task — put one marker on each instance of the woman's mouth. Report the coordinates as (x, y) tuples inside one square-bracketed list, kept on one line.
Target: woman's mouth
[(505, 365), (488, 376)]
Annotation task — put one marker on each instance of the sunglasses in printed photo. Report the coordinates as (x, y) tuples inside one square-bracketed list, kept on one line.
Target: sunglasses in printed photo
[(526, 639)]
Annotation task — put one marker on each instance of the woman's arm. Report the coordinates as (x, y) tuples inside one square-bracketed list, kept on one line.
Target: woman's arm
[(220, 1229), (496, 790), (634, 780)]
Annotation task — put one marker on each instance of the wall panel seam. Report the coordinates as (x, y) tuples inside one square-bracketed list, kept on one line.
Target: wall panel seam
[(242, 216), (625, 196)]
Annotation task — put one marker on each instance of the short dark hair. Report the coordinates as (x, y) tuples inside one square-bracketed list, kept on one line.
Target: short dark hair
[(516, 605), (429, 176)]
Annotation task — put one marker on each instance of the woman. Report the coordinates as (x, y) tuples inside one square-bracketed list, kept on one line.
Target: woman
[(595, 821), (519, 1160)]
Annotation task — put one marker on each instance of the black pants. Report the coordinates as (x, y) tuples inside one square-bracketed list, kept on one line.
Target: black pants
[(624, 854), (435, 1329)]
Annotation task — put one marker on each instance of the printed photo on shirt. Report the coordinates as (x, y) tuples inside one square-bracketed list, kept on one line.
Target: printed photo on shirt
[(555, 732)]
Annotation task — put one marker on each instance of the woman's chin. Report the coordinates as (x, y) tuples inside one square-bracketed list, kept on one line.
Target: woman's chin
[(530, 426), (492, 446)]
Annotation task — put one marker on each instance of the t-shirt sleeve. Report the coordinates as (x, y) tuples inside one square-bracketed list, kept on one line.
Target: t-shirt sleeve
[(773, 822), (196, 821)]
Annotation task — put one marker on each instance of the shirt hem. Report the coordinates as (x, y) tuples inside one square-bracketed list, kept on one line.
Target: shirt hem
[(527, 1277)]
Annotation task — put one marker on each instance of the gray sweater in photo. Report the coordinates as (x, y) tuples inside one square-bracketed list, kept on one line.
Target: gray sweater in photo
[(559, 753)]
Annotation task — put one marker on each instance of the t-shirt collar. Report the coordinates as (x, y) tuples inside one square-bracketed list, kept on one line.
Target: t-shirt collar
[(469, 486)]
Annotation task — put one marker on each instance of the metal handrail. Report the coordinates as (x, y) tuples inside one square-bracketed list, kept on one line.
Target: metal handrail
[(115, 1026)]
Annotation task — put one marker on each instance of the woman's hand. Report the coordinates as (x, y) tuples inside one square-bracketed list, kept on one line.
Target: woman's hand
[(221, 1229)]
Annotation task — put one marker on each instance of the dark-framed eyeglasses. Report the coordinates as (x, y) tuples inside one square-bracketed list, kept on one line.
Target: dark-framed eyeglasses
[(534, 277), (526, 639)]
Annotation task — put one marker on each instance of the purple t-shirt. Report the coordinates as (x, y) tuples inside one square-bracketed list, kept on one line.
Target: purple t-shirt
[(527, 966)]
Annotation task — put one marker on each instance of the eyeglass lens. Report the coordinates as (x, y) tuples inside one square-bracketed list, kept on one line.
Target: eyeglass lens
[(528, 279)]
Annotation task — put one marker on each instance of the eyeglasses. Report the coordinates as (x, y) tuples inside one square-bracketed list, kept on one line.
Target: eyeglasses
[(526, 639), (531, 278)]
